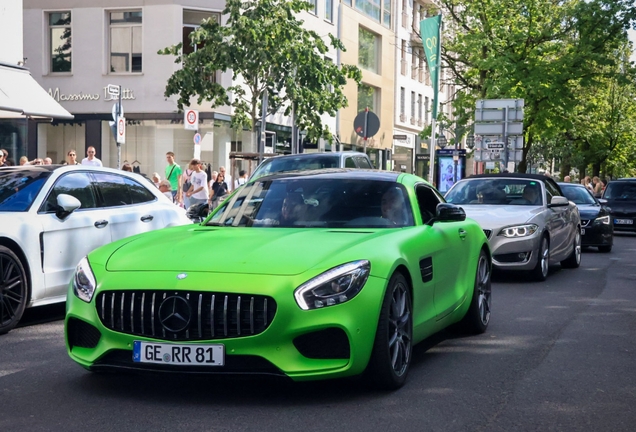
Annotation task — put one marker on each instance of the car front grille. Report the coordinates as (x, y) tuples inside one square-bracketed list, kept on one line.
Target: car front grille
[(200, 316), (488, 233)]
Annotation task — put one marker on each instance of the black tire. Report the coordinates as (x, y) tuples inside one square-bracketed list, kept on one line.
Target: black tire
[(605, 249), (13, 289), (574, 259), (540, 271), (478, 314), (393, 346)]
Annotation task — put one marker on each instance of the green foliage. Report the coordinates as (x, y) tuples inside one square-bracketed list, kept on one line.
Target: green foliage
[(542, 51), (267, 48)]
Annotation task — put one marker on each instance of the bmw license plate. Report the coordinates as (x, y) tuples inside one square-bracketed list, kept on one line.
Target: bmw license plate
[(623, 221), (582, 231), (179, 354)]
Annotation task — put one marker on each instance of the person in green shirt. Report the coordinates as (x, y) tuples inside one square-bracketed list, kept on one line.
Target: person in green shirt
[(173, 175)]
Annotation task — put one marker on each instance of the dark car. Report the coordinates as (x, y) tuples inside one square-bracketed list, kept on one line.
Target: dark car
[(312, 161), (621, 198), (597, 227)]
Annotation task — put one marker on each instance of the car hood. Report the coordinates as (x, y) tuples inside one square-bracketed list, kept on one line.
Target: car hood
[(622, 207), (588, 211), (495, 216), (272, 251)]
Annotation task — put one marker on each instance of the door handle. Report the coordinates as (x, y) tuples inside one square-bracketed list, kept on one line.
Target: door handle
[(101, 224), (462, 234), (147, 218)]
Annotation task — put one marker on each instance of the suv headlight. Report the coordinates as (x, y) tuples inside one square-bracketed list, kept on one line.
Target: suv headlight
[(605, 220), (335, 286), (84, 281), (519, 231)]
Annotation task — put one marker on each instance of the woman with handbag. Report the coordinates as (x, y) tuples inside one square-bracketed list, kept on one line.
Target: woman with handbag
[(218, 192)]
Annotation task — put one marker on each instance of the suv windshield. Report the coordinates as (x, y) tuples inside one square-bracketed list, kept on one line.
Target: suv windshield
[(621, 191), (577, 194), (288, 163), (496, 191), (317, 203), (18, 188)]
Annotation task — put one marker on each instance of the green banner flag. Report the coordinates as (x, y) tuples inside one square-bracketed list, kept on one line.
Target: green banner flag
[(431, 38)]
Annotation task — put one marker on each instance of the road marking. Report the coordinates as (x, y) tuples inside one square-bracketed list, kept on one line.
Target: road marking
[(9, 372)]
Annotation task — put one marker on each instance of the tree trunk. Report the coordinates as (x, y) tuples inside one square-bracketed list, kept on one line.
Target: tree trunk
[(523, 165), (596, 169), (566, 167)]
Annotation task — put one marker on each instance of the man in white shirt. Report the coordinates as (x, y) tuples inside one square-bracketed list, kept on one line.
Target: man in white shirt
[(198, 192), (90, 158), (241, 180)]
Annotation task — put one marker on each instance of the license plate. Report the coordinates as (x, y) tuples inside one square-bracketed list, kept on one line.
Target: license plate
[(623, 221), (582, 231), (179, 354)]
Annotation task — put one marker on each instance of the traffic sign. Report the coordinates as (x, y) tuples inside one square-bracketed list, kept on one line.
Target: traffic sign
[(121, 130), (368, 119), (495, 145), (197, 138), (113, 90), (114, 111), (191, 119)]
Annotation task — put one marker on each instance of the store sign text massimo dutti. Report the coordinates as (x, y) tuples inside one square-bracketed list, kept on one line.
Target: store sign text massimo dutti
[(126, 94)]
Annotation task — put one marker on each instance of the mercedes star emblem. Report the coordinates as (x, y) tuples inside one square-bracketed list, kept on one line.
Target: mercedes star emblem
[(175, 314), (182, 276)]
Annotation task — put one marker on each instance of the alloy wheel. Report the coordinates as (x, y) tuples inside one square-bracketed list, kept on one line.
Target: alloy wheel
[(400, 330), (12, 291), (484, 290), (545, 256), (577, 248)]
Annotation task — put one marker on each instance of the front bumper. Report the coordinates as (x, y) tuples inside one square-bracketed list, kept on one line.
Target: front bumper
[(626, 227), (514, 253), (277, 350), (595, 234)]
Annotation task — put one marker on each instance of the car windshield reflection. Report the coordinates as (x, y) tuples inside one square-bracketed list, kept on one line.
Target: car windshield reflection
[(18, 189), (317, 203), (578, 195), (498, 191)]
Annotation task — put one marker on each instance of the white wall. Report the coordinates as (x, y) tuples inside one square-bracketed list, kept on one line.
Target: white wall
[(11, 31)]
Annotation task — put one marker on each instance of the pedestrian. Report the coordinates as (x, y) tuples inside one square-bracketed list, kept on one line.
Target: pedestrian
[(3, 157), (227, 177), (197, 193), (127, 167), (166, 189), (218, 192), (156, 179), (90, 158), (186, 183), (71, 158), (47, 161), (173, 175), (567, 179), (587, 182), (597, 187), (241, 180), (24, 160)]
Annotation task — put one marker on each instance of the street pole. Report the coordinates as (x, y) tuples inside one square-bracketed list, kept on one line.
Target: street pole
[(294, 142), (117, 128), (366, 128), (505, 140), (431, 162), (261, 143)]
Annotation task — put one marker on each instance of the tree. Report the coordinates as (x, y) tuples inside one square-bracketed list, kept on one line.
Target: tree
[(267, 49), (537, 50)]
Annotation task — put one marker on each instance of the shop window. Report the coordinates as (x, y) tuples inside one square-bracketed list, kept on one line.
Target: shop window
[(125, 42), (60, 41), (368, 50)]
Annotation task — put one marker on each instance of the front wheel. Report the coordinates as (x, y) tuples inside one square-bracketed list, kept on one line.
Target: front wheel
[(478, 315), (13, 289), (574, 259), (393, 347), (540, 271)]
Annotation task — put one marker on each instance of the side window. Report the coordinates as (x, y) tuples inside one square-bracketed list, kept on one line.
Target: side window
[(427, 201), (363, 162), (77, 185), (113, 189), (138, 193), (550, 192), (349, 163)]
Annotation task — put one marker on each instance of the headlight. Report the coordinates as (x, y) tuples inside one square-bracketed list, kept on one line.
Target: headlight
[(84, 281), (335, 286), (519, 231), (605, 220)]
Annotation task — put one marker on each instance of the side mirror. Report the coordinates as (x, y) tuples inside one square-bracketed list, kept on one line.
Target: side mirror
[(66, 204), (602, 201), (449, 213), (559, 201)]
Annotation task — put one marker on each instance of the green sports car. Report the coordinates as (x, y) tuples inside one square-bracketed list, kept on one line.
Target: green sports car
[(311, 275)]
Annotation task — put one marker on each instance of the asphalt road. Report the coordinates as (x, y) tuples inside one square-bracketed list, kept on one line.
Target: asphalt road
[(558, 356)]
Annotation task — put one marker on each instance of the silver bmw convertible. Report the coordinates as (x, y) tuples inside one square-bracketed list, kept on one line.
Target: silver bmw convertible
[(529, 223)]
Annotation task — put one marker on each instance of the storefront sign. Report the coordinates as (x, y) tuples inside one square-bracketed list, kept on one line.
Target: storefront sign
[(126, 94)]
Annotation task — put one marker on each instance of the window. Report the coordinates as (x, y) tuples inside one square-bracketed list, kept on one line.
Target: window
[(77, 185), (426, 109), (349, 163), (379, 10), (139, 193), (314, 4), (427, 201), (60, 41), (329, 10), (419, 108), (191, 21), (368, 50), (412, 106), (367, 97), (125, 42), (113, 189), (402, 102)]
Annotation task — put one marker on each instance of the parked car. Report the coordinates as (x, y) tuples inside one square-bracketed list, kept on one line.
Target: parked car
[(51, 216), (312, 161), (323, 274), (529, 223), (621, 198), (597, 227)]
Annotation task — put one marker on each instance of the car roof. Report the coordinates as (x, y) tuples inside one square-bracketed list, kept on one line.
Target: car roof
[(336, 173), (319, 154), (537, 177), (570, 184)]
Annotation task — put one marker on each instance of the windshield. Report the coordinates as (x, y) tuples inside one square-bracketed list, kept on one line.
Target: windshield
[(577, 194), (496, 191), (621, 191), (290, 163), (317, 203), (18, 188)]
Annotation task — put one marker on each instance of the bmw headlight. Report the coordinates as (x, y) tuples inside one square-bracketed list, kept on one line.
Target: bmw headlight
[(519, 231), (335, 286), (605, 220), (84, 281)]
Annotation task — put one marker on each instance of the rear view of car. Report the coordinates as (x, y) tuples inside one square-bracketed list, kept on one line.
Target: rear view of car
[(621, 198)]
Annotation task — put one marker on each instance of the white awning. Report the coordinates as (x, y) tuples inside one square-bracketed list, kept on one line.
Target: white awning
[(21, 95)]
